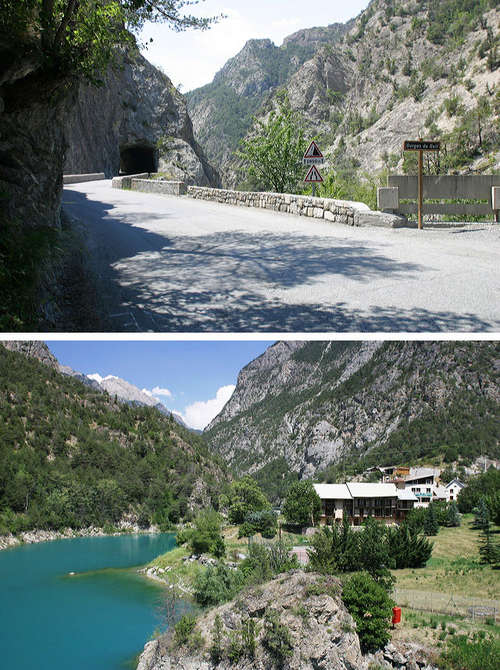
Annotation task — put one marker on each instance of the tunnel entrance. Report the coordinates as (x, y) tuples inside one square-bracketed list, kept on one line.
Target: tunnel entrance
[(134, 160)]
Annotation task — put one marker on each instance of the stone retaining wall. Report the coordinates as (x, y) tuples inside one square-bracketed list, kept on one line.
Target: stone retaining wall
[(126, 180), (338, 211), (80, 178)]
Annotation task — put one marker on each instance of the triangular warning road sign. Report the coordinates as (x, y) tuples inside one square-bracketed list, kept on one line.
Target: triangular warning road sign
[(313, 151), (313, 175)]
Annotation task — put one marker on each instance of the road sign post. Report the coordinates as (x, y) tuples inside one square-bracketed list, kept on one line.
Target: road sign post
[(421, 146), (313, 177), (313, 157)]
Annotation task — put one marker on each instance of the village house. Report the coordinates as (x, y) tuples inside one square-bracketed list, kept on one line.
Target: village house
[(359, 500)]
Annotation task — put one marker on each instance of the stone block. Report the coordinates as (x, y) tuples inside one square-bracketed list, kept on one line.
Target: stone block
[(318, 212), (381, 219), (388, 198), (495, 197), (330, 216)]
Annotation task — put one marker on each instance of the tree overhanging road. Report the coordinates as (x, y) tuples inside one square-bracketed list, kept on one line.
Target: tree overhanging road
[(173, 264)]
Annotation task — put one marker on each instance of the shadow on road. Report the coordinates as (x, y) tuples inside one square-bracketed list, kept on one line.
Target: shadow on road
[(224, 281)]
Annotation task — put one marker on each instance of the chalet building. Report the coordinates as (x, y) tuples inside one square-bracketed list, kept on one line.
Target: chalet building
[(359, 501), (453, 488)]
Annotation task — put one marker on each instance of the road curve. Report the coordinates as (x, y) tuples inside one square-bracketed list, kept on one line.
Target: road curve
[(174, 264)]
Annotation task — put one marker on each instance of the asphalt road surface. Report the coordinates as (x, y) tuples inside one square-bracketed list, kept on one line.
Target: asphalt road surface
[(174, 264)]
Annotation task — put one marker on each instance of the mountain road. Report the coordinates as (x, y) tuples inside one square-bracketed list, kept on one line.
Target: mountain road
[(175, 264)]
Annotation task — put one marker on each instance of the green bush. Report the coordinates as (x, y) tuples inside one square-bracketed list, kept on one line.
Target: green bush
[(206, 536), (216, 585), (184, 629), (264, 522), (409, 547), (371, 608), (244, 498)]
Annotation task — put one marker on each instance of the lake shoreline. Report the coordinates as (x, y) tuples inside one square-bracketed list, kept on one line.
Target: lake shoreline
[(39, 535)]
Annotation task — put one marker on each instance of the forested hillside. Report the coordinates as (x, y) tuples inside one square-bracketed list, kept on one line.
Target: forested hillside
[(74, 456), (306, 408)]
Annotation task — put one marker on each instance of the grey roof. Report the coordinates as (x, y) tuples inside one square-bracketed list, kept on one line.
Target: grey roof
[(366, 490), (332, 491), (455, 481), (406, 494)]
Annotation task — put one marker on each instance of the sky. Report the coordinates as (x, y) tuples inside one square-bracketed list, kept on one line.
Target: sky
[(193, 378), (191, 58)]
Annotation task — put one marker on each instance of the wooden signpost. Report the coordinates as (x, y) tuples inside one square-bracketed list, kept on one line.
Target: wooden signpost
[(421, 146)]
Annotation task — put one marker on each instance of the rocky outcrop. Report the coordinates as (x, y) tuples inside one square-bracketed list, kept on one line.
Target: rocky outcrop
[(312, 404), (322, 632), (33, 349), (135, 122)]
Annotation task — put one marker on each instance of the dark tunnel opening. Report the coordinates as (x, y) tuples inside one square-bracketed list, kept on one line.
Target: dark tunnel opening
[(134, 160)]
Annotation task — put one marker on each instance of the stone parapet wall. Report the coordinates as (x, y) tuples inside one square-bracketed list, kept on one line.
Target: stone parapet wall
[(159, 186), (319, 208), (337, 211), (80, 178)]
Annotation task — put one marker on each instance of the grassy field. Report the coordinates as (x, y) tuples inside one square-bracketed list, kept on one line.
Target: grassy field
[(454, 566)]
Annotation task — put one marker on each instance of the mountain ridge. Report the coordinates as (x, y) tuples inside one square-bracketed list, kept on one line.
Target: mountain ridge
[(306, 408)]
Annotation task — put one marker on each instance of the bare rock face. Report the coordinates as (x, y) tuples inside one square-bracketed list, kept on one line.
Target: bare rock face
[(135, 122), (322, 632), (312, 404), (32, 146), (33, 349)]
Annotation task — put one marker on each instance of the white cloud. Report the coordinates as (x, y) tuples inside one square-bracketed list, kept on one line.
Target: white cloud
[(200, 413), (160, 391)]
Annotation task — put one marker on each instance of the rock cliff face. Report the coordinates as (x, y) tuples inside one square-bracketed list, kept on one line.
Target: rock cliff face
[(398, 71), (312, 404), (32, 146), (222, 111), (322, 631), (136, 122)]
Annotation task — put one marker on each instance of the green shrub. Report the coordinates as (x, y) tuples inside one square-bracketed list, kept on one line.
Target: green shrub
[(277, 639), (371, 608), (216, 585), (216, 649), (206, 536), (184, 629)]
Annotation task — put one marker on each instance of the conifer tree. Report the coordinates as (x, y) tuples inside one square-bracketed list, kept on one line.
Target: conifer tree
[(431, 526), (453, 520)]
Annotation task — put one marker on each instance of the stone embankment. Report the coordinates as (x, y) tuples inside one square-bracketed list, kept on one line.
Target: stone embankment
[(335, 211)]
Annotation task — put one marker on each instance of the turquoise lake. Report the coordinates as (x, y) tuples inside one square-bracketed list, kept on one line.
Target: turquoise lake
[(98, 619)]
